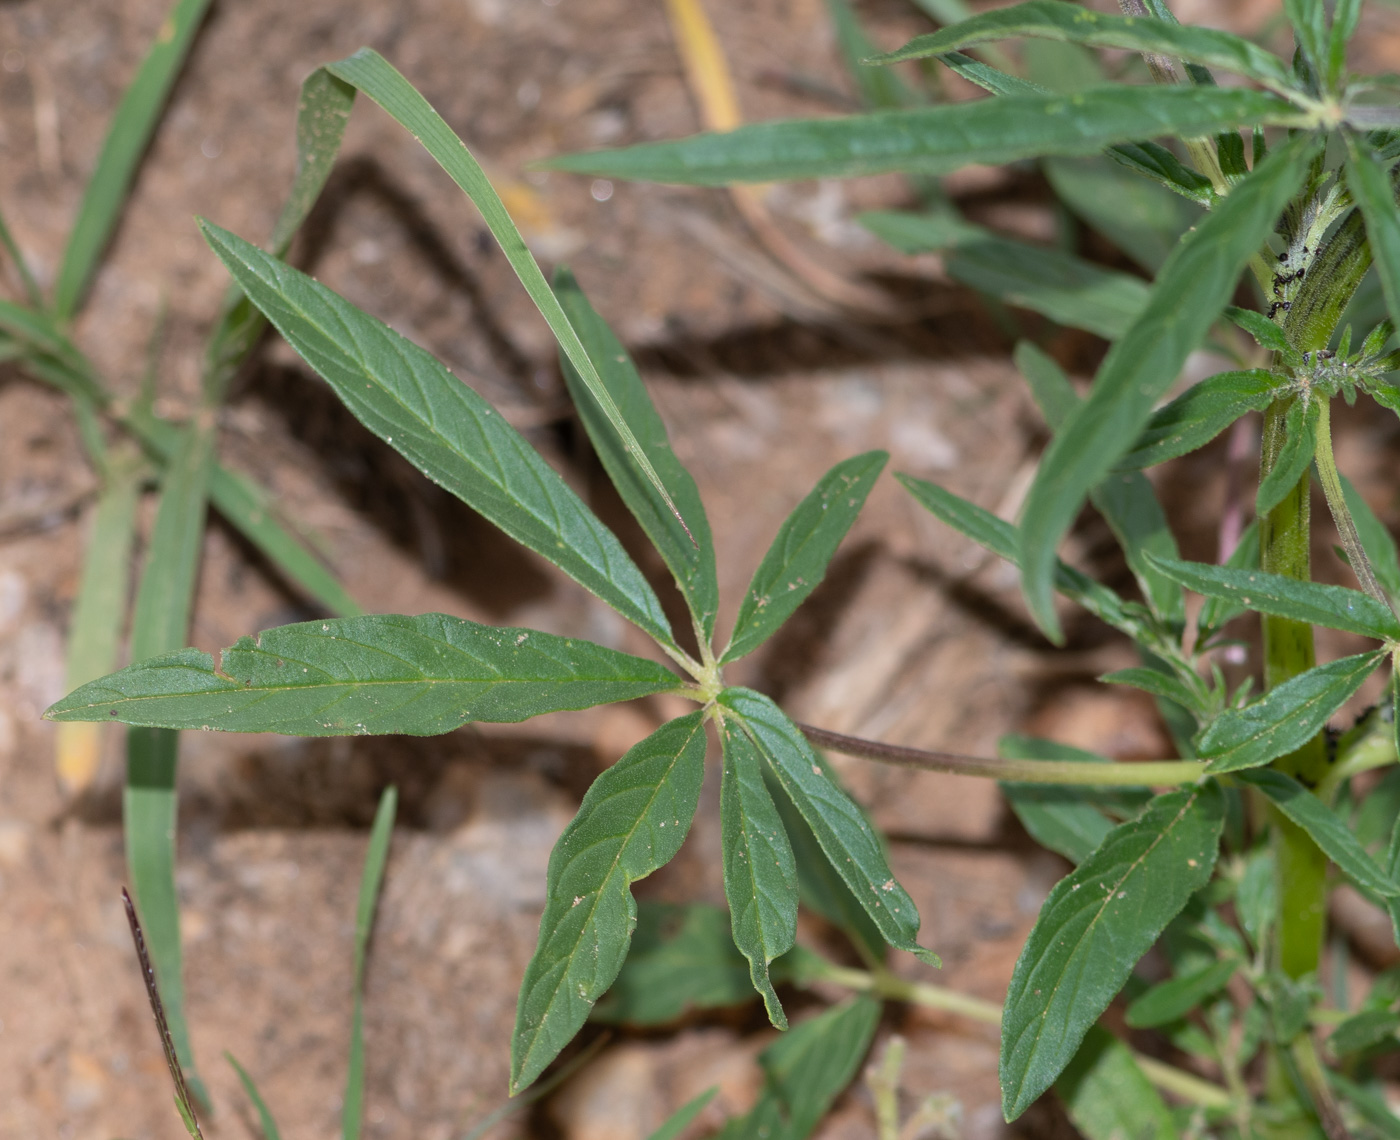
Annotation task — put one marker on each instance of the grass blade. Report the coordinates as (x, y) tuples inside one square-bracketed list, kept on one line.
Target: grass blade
[(1199, 414), (126, 141), (1192, 289), (265, 1118), (1284, 718), (376, 857), (1096, 924), (631, 822), (681, 1118), (760, 874), (1336, 607), (1065, 288), (1072, 23), (935, 140), (99, 612), (368, 675), (369, 72), (847, 838), (26, 276), (689, 554), (796, 562), (412, 402)]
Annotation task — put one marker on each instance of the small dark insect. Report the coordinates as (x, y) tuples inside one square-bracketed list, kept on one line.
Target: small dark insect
[(1277, 305), (183, 1101)]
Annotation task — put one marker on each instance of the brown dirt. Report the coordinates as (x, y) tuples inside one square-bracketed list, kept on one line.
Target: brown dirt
[(914, 638)]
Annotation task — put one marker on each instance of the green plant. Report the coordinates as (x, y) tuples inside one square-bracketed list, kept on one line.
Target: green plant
[(1260, 781)]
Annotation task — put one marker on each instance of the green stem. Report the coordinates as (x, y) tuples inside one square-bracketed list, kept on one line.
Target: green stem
[(1284, 535), (1137, 774), (1331, 482)]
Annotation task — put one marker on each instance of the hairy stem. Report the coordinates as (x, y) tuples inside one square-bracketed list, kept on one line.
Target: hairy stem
[(1138, 774), (1331, 482)]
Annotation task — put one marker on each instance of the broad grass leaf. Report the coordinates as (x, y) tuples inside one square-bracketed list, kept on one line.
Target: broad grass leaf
[(1284, 718), (1325, 827), (1199, 414), (411, 401), (1176, 997), (377, 674), (131, 129), (1067, 289), (1108, 1097), (689, 554), (1335, 607), (632, 821), (847, 838), (796, 562), (805, 1070), (1194, 285), (1002, 539), (371, 878), (760, 874), (1072, 23), (938, 139), (1096, 924), (681, 958)]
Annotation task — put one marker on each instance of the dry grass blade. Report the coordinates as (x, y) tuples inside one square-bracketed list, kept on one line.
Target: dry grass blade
[(183, 1100)]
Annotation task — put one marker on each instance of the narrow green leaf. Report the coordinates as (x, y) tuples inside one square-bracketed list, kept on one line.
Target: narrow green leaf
[(377, 674), (1370, 183), (1346, 14), (1294, 456), (265, 1118), (681, 958), (877, 86), (37, 332), (1309, 20), (1176, 997), (805, 1071), (405, 396), (1376, 539), (1369, 1103), (680, 1120), (1336, 607), (1065, 288), (1365, 1030), (760, 874), (1265, 333), (689, 555), (796, 562), (1199, 414), (1126, 500), (993, 79), (1285, 717), (1107, 1095), (371, 878), (1194, 285), (935, 140), (32, 296), (1392, 855), (1163, 167), (1001, 538), (632, 821), (1159, 684), (369, 72), (1327, 829), (131, 129), (1096, 924), (1218, 611), (850, 842), (1072, 23)]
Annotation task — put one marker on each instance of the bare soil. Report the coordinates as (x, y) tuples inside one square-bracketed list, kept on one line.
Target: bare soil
[(915, 637)]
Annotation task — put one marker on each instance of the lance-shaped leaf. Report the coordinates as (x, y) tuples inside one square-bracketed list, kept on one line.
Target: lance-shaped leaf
[(406, 397), (760, 874), (798, 558), (689, 554), (936, 140), (1293, 457), (1107, 1095), (1176, 997), (1002, 539), (1192, 288), (1199, 414), (1285, 717), (1369, 182), (1096, 924), (632, 821), (366, 70), (849, 841), (1073, 23), (1346, 14), (1065, 288), (384, 673), (1325, 827), (1336, 607)]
